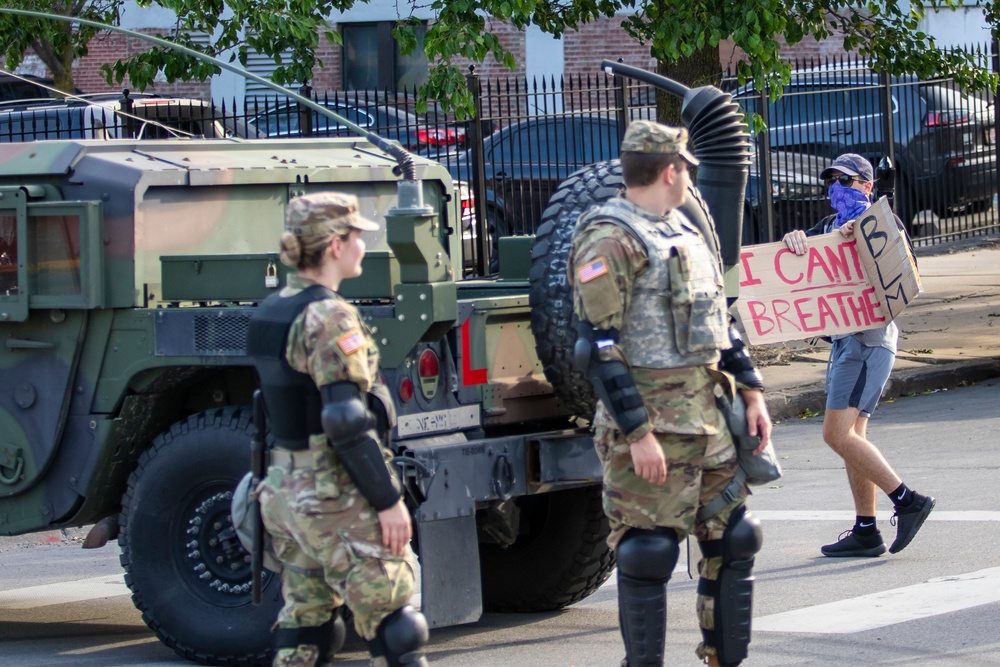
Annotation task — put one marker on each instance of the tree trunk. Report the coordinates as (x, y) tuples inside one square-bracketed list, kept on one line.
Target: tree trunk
[(60, 63), (62, 74), (701, 68)]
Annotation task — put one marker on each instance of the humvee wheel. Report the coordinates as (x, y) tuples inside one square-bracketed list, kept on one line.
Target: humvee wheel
[(188, 573), (561, 558)]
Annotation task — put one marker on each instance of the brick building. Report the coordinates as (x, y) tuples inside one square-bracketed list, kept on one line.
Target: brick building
[(370, 60)]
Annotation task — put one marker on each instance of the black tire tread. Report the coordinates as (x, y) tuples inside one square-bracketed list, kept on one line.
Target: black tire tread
[(580, 570), (236, 419)]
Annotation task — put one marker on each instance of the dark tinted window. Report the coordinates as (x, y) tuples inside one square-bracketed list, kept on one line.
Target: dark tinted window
[(801, 106), (356, 116), (373, 60), (16, 89), (537, 142), (48, 124), (600, 140), (866, 102)]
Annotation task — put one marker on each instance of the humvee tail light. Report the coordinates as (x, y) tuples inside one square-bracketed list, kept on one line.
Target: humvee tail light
[(428, 369), (406, 390)]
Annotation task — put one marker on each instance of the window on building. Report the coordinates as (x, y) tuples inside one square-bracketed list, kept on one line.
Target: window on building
[(372, 59)]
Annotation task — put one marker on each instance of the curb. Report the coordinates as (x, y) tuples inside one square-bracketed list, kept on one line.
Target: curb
[(792, 402)]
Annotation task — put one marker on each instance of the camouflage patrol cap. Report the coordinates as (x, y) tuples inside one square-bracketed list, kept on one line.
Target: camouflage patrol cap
[(644, 136), (322, 213)]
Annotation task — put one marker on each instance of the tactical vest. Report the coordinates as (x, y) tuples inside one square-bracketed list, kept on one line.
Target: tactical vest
[(677, 316), (293, 402)]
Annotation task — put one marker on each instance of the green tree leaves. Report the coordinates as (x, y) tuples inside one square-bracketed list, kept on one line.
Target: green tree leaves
[(289, 31)]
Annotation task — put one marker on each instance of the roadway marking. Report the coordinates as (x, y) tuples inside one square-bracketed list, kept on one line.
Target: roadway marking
[(941, 595), (108, 647), (848, 515), (64, 592)]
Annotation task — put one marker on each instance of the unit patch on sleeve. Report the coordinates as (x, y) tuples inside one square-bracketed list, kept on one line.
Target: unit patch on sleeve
[(592, 270), (351, 342)]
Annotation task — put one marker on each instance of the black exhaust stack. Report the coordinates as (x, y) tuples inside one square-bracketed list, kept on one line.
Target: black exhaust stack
[(721, 142)]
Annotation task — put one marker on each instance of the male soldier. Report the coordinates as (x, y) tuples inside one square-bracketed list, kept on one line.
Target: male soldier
[(649, 296)]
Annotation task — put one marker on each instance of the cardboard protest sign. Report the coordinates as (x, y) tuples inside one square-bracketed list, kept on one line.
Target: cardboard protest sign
[(841, 285)]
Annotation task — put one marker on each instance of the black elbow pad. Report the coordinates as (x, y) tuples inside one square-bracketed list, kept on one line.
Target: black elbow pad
[(737, 361), (612, 380), (349, 427)]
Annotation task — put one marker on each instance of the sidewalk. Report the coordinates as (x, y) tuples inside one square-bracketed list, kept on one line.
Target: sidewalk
[(947, 335)]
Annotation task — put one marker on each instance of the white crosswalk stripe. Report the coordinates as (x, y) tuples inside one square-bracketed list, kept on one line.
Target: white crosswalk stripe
[(848, 515), (64, 592), (941, 595)]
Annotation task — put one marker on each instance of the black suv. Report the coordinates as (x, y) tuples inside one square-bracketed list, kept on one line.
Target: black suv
[(24, 87), (943, 138)]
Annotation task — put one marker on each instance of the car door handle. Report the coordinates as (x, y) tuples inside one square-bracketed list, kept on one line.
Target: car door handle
[(845, 132)]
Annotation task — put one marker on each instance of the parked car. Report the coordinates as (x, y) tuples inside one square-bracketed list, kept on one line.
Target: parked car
[(25, 87), (525, 162), (102, 117), (798, 196), (412, 132), (943, 138)]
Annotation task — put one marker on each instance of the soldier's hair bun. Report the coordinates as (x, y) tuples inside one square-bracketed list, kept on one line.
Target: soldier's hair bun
[(291, 249)]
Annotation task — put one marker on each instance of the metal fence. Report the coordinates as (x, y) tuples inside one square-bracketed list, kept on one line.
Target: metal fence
[(532, 135)]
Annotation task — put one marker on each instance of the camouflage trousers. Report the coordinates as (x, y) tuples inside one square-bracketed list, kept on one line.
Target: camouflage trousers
[(328, 539), (699, 467)]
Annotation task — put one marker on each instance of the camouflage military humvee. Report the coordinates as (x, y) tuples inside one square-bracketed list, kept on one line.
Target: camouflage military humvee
[(128, 273)]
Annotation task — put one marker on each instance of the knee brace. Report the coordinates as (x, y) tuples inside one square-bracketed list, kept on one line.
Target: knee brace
[(646, 559), (400, 638), (733, 591)]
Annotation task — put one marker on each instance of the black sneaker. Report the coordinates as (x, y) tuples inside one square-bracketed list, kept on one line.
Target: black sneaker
[(851, 545), (909, 519)]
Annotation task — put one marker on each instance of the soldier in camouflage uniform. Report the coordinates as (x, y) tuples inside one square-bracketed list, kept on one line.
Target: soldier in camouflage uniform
[(330, 501), (649, 295)]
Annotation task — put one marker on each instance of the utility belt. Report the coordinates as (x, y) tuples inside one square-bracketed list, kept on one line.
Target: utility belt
[(292, 460)]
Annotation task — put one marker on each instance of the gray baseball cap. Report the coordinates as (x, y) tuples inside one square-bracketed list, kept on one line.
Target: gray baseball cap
[(851, 164), (325, 212)]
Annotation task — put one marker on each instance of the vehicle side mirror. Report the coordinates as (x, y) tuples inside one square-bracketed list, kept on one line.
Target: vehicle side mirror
[(885, 179)]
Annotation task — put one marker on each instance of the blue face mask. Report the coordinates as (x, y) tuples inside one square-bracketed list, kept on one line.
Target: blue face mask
[(848, 203)]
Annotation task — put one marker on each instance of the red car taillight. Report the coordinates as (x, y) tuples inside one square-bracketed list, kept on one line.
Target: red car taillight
[(438, 137), (949, 117)]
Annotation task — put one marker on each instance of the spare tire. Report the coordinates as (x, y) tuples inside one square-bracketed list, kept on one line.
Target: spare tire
[(553, 321)]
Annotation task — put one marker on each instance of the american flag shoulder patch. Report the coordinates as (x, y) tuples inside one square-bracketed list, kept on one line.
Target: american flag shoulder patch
[(592, 270), (351, 342)]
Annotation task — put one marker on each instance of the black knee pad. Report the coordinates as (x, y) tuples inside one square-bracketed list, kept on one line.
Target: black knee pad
[(401, 637), (734, 589), (648, 555), (743, 537), (646, 559)]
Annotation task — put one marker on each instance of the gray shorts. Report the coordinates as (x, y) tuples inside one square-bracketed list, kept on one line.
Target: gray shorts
[(856, 375)]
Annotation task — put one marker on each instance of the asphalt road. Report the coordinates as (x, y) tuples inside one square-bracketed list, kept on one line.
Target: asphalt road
[(936, 603)]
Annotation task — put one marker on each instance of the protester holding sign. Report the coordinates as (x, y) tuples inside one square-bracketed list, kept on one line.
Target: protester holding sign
[(858, 370)]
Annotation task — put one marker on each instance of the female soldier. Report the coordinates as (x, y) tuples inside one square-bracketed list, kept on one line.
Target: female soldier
[(330, 501)]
